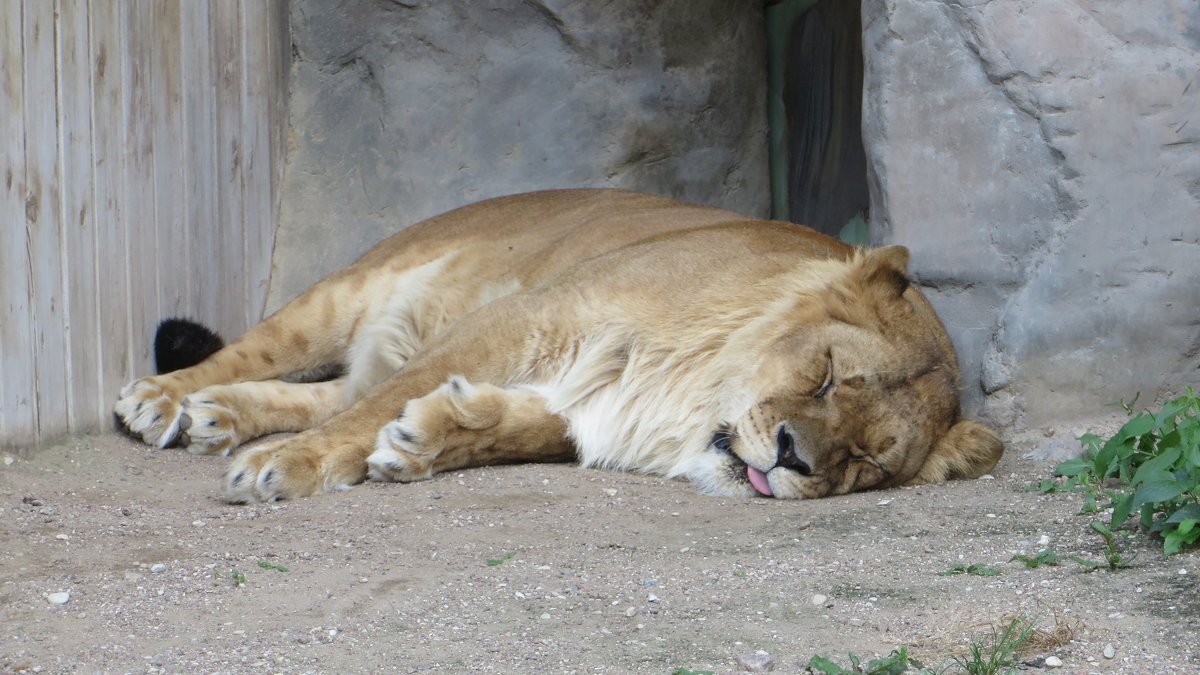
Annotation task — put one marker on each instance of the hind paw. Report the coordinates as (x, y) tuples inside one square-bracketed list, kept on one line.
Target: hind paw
[(409, 447), (150, 411)]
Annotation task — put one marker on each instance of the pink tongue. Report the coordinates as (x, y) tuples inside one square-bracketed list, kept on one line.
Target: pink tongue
[(759, 480)]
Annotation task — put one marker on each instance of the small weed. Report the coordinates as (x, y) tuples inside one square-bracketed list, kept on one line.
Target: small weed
[(977, 570), (1155, 458), (492, 562), (1000, 653), (238, 578), (269, 566), (687, 671), (897, 662), (1043, 557), (1113, 559)]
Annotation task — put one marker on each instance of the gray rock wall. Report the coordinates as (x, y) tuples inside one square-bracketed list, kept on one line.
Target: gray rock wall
[(1041, 160), (402, 110)]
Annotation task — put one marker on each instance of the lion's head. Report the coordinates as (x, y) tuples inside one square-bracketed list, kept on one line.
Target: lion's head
[(858, 390)]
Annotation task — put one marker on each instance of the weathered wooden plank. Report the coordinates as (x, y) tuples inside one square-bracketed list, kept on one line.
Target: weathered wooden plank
[(256, 125), (228, 68), (200, 134), (169, 194), (82, 331), (108, 124), (281, 62), (18, 411), (141, 236), (43, 216)]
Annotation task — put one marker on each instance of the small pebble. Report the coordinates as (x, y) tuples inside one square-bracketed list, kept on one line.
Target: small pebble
[(987, 476), (158, 567), (58, 598), (1044, 540), (758, 662), (1182, 572), (819, 599), (1053, 662), (545, 615), (197, 523), (1110, 652), (883, 502), (631, 611)]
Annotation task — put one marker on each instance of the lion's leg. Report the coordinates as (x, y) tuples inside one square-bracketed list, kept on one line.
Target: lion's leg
[(460, 425), (489, 345), (217, 419), (313, 330)]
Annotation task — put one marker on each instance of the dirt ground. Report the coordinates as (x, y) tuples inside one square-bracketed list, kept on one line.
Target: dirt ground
[(549, 568)]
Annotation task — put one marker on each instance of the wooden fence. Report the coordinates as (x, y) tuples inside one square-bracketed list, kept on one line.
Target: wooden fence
[(141, 147)]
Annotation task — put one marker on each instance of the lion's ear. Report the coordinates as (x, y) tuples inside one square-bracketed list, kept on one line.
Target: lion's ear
[(885, 270), (968, 450)]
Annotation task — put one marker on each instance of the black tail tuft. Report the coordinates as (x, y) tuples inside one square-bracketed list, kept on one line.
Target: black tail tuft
[(180, 343)]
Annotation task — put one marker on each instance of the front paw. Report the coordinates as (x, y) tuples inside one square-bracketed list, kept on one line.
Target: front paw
[(206, 427), (149, 410), (295, 467)]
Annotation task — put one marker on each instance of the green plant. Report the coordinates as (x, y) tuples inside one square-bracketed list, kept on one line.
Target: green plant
[(1001, 652), (239, 579), (977, 570), (685, 671), (492, 562), (1155, 458), (1113, 558), (897, 662), (1043, 557), (268, 566)]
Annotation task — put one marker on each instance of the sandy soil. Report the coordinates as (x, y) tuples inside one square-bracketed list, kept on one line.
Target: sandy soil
[(547, 568)]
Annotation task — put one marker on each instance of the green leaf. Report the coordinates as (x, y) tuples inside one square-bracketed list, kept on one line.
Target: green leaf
[(956, 568), (1159, 491), (1157, 469), (1072, 467), (1088, 563), (982, 571), (820, 664), (1138, 426), (1189, 512), (492, 562), (1044, 557)]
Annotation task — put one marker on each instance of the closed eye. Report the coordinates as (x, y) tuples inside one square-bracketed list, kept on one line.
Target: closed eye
[(828, 383)]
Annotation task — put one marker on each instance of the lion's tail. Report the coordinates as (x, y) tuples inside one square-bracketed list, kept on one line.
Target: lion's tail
[(182, 343)]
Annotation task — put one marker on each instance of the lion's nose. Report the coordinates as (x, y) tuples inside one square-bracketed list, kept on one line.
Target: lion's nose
[(785, 452)]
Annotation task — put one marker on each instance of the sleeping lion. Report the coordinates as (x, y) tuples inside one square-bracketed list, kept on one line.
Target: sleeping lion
[(618, 329)]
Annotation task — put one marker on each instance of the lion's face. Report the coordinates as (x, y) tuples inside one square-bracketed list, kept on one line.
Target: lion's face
[(856, 395)]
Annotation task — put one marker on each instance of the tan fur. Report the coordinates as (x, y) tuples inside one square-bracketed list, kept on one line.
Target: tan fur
[(629, 331)]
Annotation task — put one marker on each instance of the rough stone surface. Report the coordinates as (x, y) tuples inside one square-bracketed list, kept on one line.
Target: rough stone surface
[(402, 110), (1040, 159)]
